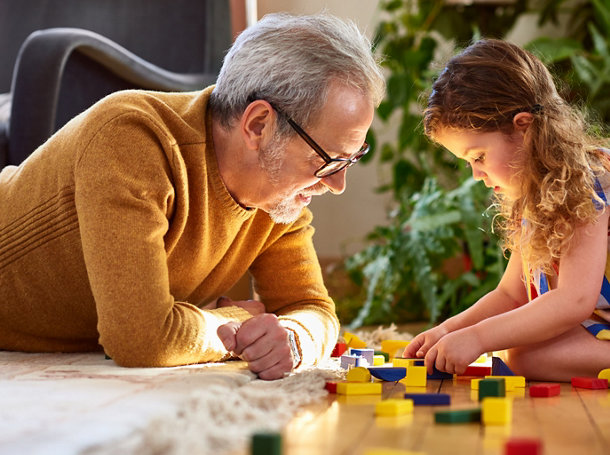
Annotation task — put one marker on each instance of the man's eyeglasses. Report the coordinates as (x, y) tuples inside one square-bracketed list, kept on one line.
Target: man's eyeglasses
[(331, 165)]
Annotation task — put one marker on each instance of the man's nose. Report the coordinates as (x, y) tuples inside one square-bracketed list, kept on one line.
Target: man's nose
[(336, 183)]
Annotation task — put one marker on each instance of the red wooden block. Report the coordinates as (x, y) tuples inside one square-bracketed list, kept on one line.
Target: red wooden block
[(477, 370), (518, 446), (339, 350), (589, 383), (545, 390), (331, 386)]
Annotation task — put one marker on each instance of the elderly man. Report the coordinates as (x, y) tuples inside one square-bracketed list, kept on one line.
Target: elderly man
[(126, 227)]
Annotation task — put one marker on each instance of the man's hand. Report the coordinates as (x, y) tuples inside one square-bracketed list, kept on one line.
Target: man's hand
[(262, 342)]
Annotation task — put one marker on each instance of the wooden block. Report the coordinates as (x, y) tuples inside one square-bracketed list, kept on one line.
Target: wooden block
[(494, 387), (458, 416), (429, 399), (522, 446), (416, 377), (477, 370), (349, 361), (390, 374), (438, 374), (497, 410), (385, 355), (331, 386), (266, 443), (589, 383), (353, 341), (474, 383), (511, 382), (393, 407), (604, 374), (358, 374), (499, 368), (392, 346), (359, 388), (545, 390), (378, 360), (403, 362), (363, 352), (339, 350)]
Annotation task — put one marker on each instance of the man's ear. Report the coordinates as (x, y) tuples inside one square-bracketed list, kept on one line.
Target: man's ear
[(522, 121), (256, 123)]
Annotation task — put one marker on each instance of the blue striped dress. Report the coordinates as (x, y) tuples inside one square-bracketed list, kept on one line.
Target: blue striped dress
[(599, 322)]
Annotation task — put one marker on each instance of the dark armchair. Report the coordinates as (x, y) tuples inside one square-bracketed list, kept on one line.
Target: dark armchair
[(61, 71)]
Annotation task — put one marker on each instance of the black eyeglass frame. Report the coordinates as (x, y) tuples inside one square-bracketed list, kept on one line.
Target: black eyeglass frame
[(345, 162)]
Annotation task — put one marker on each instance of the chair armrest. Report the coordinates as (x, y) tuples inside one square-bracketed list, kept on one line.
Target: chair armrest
[(38, 73)]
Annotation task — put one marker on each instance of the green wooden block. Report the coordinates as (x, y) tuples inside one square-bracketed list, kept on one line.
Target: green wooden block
[(266, 443), (458, 416), (492, 387)]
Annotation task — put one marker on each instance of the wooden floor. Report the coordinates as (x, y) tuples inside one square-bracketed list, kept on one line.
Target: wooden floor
[(575, 422)]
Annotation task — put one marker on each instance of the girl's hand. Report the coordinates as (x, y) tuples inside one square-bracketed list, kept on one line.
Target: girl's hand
[(455, 351), (419, 346)]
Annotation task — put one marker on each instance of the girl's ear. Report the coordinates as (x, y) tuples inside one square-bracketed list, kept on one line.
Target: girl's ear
[(522, 121)]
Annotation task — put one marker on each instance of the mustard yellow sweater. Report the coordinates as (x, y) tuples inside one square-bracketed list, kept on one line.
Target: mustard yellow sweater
[(118, 228)]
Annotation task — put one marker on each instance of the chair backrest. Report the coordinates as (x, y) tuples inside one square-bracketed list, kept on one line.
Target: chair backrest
[(184, 36)]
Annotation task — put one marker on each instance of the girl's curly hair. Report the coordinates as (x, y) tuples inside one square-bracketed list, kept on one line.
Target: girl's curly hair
[(482, 89)]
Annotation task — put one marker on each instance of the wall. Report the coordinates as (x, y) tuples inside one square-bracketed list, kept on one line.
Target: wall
[(342, 222)]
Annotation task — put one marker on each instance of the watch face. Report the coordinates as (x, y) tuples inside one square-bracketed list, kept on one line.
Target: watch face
[(296, 355)]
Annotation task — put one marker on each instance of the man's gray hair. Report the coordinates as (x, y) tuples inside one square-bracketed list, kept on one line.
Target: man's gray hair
[(290, 62)]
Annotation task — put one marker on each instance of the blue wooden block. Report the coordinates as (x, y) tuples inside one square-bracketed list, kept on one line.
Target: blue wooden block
[(438, 374), (430, 399), (499, 368), (391, 374)]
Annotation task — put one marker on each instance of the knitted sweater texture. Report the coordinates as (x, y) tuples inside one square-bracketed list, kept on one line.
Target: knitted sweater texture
[(117, 230)]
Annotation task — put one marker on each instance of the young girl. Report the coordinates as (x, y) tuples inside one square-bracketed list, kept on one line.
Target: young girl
[(496, 106)]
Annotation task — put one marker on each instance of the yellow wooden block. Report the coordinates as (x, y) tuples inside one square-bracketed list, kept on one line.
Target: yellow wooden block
[(383, 451), (378, 360), (353, 341), (474, 383), (406, 363), (511, 382), (416, 377), (359, 388), (394, 407), (358, 374), (604, 374), (497, 410), (481, 359), (391, 346)]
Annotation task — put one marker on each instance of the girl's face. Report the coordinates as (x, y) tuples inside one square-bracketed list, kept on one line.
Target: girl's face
[(491, 156)]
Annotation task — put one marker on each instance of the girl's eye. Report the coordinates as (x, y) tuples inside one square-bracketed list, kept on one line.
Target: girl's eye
[(479, 159)]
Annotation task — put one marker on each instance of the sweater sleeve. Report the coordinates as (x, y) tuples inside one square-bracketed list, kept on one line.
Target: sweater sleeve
[(124, 198), (288, 278)]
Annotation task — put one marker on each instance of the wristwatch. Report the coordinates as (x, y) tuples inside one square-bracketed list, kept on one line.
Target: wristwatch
[(296, 354)]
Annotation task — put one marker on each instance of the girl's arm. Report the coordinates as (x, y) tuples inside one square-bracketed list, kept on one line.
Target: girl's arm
[(509, 294), (549, 315)]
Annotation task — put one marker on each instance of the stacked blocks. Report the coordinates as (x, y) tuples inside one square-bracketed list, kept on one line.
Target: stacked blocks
[(348, 361), (363, 352)]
